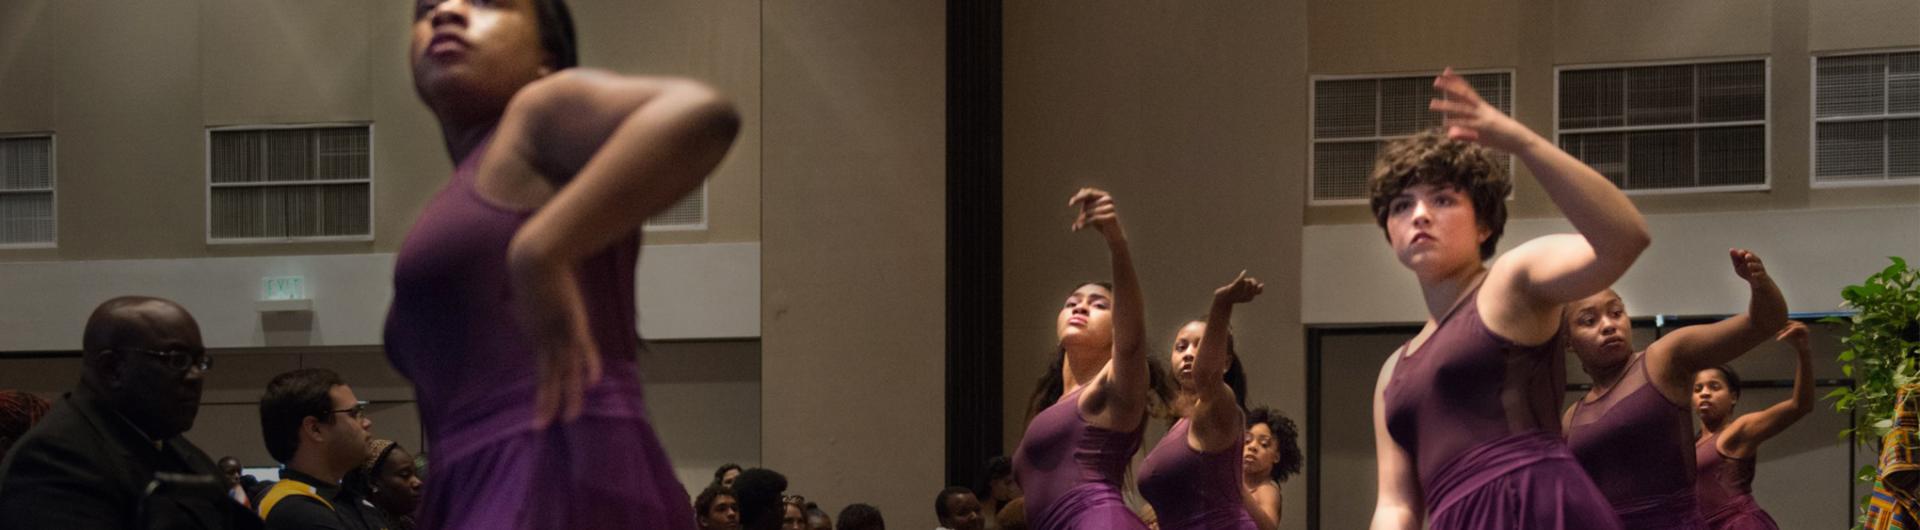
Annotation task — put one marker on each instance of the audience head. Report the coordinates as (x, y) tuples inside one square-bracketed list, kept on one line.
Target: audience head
[(759, 493), (860, 517), (313, 423), (957, 508), (1000, 486), (793, 513), (230, 469), (143, 356), (725, 475), (18, 412), (817, 518), (716, 509), (389, 478)]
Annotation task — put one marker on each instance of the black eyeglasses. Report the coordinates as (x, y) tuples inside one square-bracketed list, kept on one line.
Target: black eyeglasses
[(179, 360), (359, 409)]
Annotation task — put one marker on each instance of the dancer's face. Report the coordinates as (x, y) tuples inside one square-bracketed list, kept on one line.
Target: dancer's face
[(1433, 229), (475, 52), (1599, 332), (1086, 319), (1186, 344), (1259, 456), (1713, 399)]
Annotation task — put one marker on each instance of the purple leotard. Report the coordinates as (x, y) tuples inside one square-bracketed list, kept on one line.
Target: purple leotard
[(451, 330), (1479, 415), (1190, 490), (1633, 441), (1071, 470), (1725, 485)]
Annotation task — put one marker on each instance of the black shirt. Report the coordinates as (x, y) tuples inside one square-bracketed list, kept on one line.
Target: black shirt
[(85, 467), (298, 512)]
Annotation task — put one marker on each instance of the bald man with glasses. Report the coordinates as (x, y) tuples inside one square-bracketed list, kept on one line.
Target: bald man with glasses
[(110, 455)]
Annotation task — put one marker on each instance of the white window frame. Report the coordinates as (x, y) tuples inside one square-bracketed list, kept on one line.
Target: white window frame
[(207, 167), (1766, 121), (706, 214), (53, 177), (1313, 87), (1814, 121)]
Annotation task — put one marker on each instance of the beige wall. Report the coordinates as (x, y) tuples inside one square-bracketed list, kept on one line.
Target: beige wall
[(1187, 112), (1502, 34), (129, 89), (853, 244)]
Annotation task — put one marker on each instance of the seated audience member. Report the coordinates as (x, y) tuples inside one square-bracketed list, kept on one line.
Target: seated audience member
[(230, 469), (999, 488), (110, 455), (759, 492), (18, 412), (313, 423), (793, 513), (388, 481), (957, 509), (817, 518), (860, 517), (716, 509), (725, 475)]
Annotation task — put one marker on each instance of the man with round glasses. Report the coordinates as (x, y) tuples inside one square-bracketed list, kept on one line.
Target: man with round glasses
[(110, 454), (314, 424)]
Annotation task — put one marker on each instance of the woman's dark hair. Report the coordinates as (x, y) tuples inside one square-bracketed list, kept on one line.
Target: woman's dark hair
[(720, 474), (1051, 385), (998, 467), (1286, 440), (556, 33), (1732, 377), (291, 398), (1433, 159), (859, 516)]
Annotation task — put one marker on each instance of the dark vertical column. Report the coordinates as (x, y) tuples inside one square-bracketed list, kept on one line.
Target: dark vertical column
[(973, 239)]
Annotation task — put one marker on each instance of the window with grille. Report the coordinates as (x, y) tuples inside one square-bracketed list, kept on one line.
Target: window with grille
[(26, 191), (688, 214), (290, 184), (1668, 127), (1866, 114), (1354, 117)]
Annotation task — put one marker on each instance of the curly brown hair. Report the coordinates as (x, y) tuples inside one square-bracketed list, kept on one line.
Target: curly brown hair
[(1431, 158)]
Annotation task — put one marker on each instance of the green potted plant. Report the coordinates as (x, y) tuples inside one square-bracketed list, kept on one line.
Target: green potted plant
[(1882, 354)]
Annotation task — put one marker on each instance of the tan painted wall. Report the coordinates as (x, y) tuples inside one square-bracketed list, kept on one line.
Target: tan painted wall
[(129, 89), (1583, 32), (853, 244), (1188, 113)]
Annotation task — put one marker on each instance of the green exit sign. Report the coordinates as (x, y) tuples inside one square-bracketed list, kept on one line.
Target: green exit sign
[(285, 288)]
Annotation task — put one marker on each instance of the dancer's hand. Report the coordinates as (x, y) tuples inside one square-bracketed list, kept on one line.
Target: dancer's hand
[(549, 308), (1097, 210), (1470, 118), (1795, 334), (1241, 290), (1748, 267), (565, 374)]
